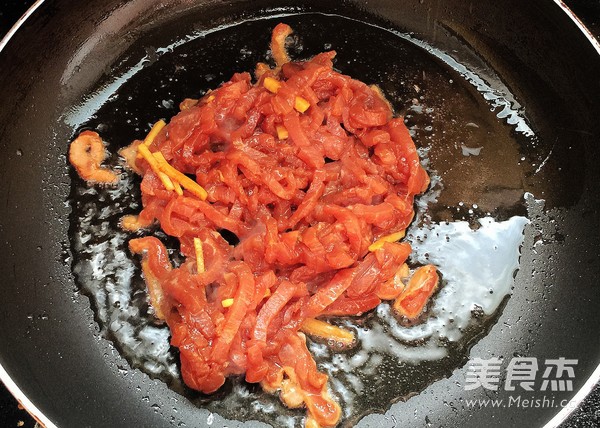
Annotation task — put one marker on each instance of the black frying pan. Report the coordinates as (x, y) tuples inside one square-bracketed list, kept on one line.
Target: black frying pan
[(58, 360)]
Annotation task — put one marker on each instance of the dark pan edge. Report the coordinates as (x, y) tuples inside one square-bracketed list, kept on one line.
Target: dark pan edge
[(10, 384), (579, 24), (594, 378), (4, 41), (22, 398), (576, 401)]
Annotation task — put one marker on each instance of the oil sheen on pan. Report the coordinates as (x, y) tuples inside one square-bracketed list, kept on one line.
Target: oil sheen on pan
[(453, 119)]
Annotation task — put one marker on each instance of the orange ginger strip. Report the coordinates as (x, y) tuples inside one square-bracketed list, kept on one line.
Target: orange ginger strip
[(156, 128), (282, 133), (199, 255), (388, 238), (178, 188), (227, 303), (152, 161), (272, 84), (180, 177), (301, 104)]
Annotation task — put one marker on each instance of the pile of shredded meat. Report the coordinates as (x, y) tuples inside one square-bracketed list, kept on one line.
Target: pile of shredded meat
[(289, 197)]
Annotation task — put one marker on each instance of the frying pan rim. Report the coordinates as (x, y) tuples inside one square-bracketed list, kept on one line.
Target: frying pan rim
[(23, 400), (556, 420), (582, 27), (4, 41), (6, 379)]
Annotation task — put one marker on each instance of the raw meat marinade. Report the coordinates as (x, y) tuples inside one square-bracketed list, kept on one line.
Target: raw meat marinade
[(289, 197)]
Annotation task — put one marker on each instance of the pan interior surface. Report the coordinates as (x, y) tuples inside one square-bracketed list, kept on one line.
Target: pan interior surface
[(455, 126), (486, 151)]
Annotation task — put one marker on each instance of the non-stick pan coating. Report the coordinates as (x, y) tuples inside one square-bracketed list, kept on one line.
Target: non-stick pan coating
[(50, 344)]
